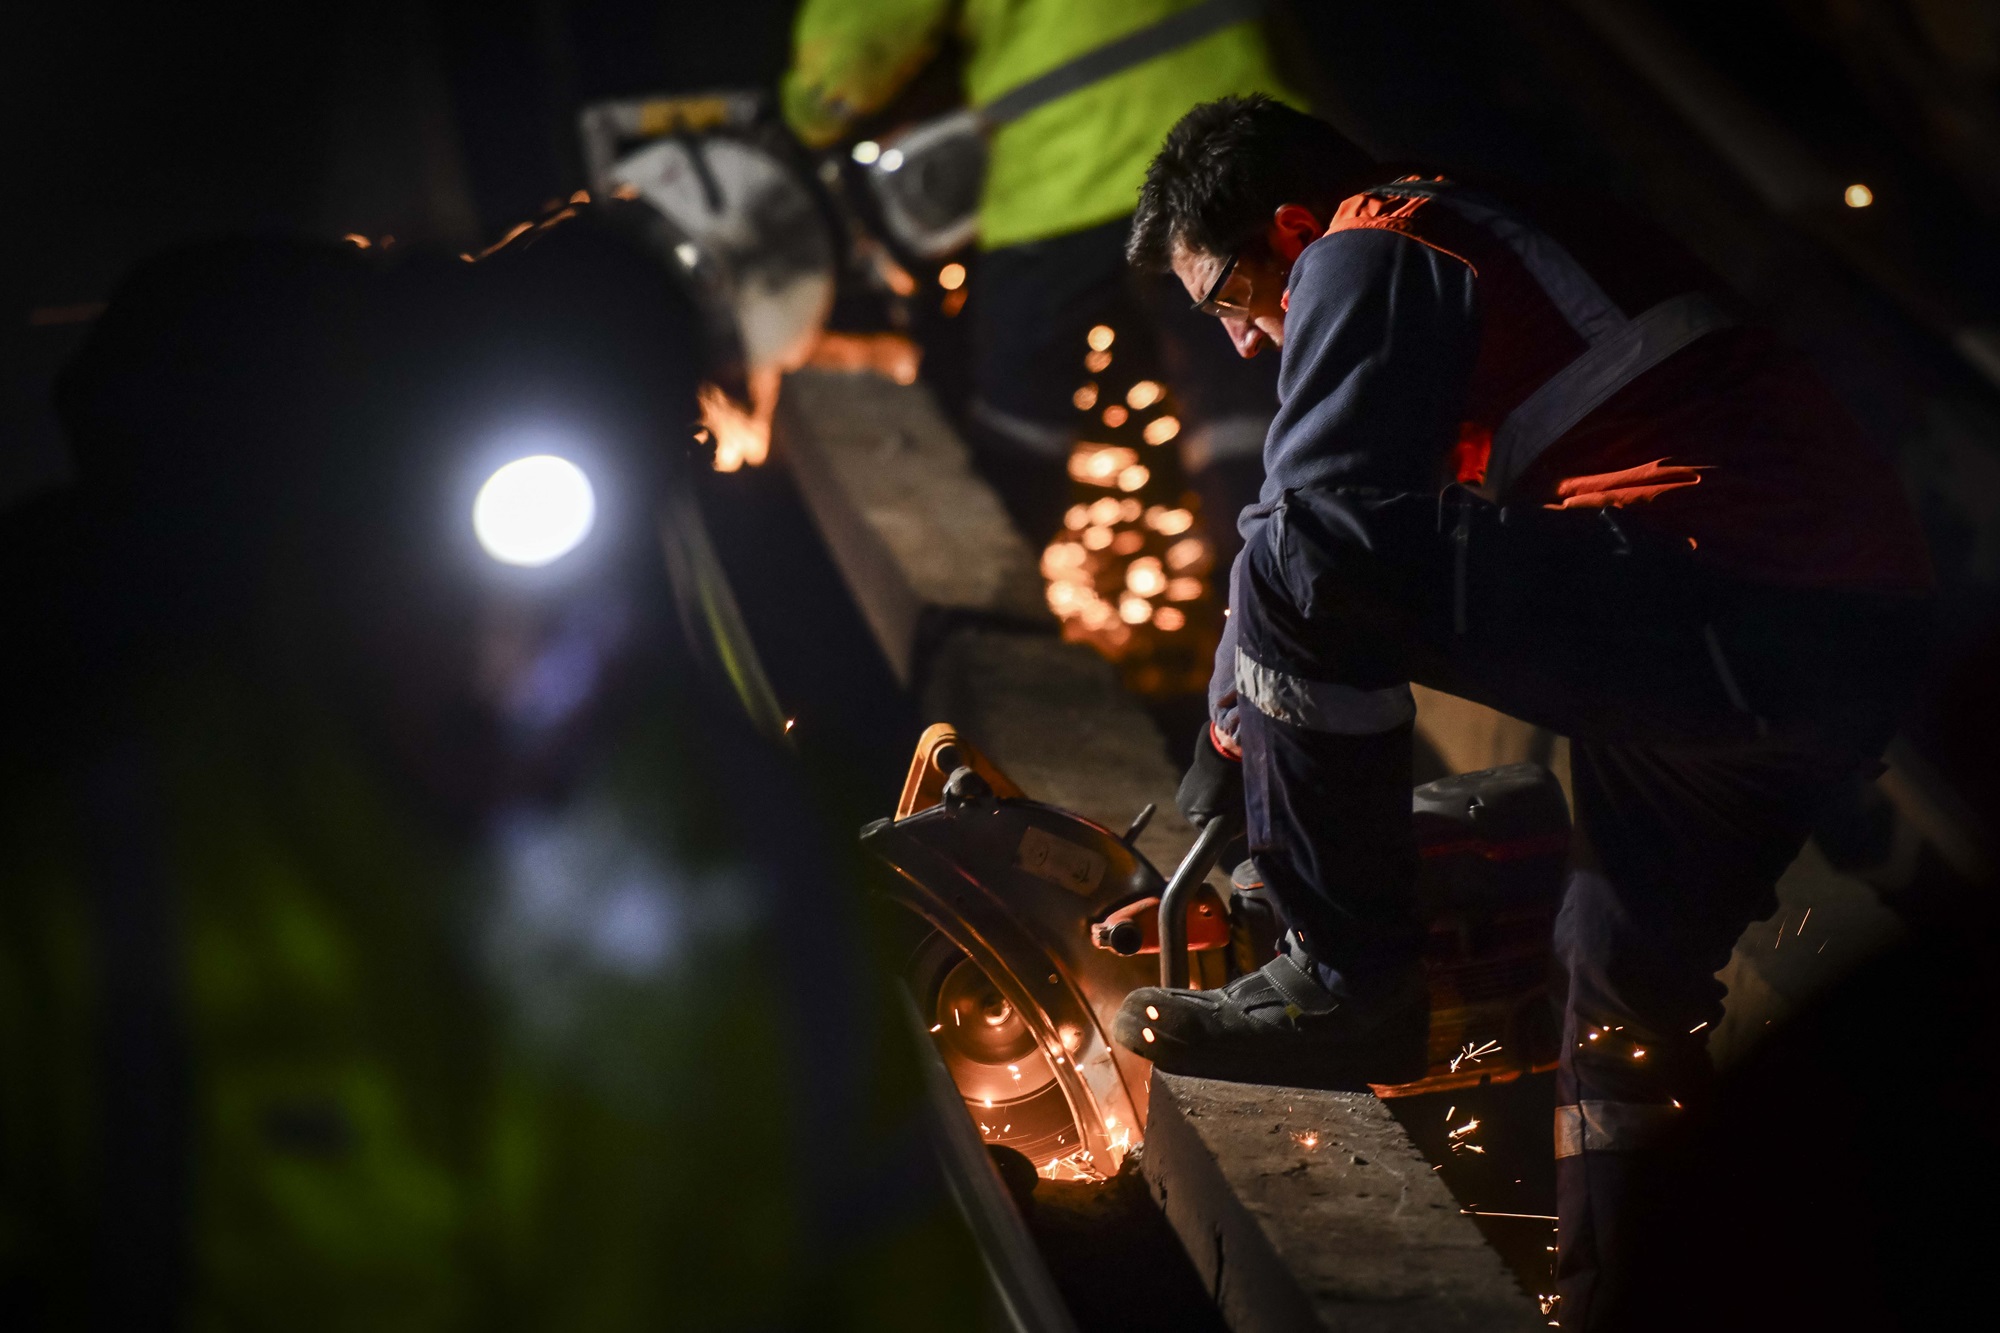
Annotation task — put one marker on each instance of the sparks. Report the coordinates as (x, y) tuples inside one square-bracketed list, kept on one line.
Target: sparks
[(1476, 1211), (1697, 1027), (1472, 1055), (1308, 1140)]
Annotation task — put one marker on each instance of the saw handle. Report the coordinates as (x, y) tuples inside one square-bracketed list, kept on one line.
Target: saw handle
[(1179, 895)]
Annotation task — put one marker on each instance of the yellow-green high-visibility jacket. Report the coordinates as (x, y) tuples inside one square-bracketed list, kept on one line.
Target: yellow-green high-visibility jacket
[(1071, 164)]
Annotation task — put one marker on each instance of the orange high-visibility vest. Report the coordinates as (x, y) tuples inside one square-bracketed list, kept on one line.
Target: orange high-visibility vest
[(1661, 405)]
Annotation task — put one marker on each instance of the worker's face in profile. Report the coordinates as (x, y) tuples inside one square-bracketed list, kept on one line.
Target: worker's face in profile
[(1246, 291), (1249, 301)]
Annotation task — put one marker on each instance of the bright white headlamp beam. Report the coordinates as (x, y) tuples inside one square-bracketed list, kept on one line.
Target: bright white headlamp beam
[(534, 510)]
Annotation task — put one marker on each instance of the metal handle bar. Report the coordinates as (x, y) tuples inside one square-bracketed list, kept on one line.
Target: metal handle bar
[(1201, 859)]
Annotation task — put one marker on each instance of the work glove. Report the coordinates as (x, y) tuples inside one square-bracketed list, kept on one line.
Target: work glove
[(1213, 787)]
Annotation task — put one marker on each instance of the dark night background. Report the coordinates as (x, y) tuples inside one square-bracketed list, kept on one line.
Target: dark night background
[(130, 129)]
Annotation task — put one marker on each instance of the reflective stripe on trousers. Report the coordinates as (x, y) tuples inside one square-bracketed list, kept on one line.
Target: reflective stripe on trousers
[(1321, 705), (1595, 1126)]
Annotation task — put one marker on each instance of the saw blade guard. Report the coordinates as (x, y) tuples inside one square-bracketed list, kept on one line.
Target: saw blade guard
[(1020, 1001)]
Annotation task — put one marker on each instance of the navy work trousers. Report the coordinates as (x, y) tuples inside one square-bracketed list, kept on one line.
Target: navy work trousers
[(1710, 719)]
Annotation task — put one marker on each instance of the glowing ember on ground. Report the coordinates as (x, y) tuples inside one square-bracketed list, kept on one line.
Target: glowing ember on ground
[(1308, 1140)]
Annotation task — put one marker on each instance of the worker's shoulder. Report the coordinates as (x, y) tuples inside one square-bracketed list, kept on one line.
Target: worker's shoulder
[(1346, 261)]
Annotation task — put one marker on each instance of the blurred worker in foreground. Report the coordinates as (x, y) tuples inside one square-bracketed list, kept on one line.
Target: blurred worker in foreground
[(1060, 185), (1540, 469), (385, 940)]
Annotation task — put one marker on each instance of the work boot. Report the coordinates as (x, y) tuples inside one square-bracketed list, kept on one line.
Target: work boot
[(1282, 1025)]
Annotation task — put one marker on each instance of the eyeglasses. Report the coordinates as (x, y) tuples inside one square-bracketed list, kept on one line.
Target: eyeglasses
[(1213, 304)]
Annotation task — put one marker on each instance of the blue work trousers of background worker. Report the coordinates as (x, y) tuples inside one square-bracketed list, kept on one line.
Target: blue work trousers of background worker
[(1711, 721)]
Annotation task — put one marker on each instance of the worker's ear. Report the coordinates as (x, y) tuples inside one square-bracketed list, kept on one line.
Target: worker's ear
[(1293, 228)]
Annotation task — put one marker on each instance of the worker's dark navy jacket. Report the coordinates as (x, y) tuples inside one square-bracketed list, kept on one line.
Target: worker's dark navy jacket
[(1578, 494), (1434, 335)]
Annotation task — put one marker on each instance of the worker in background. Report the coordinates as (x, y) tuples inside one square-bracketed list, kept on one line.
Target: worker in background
[(1060, 186), (385, 929), (1538, 466)]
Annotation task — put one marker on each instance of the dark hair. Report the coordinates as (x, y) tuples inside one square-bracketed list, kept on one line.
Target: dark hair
[(1224, 170)]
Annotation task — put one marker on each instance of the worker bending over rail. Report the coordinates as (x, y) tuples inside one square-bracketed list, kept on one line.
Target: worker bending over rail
[(1557, 478)]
